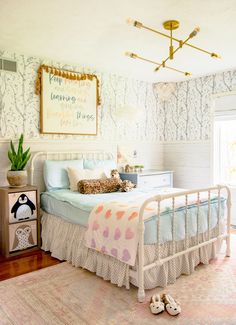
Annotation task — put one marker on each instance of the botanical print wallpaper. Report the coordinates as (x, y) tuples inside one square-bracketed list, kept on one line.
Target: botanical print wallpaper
[(167, 111), (19, 106), (184, 107)]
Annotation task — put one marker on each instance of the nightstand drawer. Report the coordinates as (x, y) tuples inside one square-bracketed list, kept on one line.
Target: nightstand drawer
[(162, 180), (22, 206), (150, 178), (22, 235)]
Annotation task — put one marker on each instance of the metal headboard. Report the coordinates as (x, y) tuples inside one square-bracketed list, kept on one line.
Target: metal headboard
[(38, 158)]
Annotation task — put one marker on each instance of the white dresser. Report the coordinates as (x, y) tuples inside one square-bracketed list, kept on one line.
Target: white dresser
[(150, 178)]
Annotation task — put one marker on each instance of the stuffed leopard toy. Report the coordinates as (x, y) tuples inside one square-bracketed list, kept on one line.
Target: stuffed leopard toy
[(113, 184)]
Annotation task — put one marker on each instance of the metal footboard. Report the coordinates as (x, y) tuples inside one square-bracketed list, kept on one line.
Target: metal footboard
[(185, 194)]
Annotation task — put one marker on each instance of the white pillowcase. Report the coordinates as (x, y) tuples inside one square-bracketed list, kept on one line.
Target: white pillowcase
[(76, 174)]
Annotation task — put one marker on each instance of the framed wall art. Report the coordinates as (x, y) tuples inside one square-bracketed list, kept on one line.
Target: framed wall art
[(68, 101)]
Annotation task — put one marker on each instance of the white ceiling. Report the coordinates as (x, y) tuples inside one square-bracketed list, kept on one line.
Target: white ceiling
[(94, 33)]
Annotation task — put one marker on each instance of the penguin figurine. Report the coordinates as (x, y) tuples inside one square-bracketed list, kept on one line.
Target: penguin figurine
[(23, 208)]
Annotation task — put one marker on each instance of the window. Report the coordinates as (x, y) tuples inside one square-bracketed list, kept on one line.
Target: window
[(225, 146), (225, 150)]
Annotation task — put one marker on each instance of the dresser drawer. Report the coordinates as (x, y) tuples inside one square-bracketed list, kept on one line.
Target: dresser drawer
[(22, 235), (162, 180)]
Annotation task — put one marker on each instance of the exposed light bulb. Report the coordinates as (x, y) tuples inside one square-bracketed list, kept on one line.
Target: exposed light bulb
[(194, 32), (130, 21), (134, 23), (131, 55)]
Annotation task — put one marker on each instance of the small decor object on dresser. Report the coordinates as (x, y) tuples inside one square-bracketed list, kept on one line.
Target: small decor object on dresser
[(17, 176), (19, 224), (127, 169)]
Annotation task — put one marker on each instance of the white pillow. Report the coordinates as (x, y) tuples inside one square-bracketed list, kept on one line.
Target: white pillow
[(106, 165), (76, 174)]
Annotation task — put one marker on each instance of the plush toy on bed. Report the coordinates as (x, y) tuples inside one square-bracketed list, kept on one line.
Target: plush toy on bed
[(96, 186), (115, 174), (125, 186), (108, 185)]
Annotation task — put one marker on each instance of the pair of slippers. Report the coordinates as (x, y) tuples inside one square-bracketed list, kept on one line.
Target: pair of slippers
[(159, 303)]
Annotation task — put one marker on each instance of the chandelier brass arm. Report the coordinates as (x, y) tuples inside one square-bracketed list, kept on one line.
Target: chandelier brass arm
[(136, 56), (191, 35), (169, 25), (138, 24)]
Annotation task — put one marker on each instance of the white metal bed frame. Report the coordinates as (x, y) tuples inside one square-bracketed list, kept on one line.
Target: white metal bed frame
[(159, 261), (139, 273)]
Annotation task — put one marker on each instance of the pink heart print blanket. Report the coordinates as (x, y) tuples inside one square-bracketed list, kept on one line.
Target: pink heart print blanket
[(113, 226), (113, 229)]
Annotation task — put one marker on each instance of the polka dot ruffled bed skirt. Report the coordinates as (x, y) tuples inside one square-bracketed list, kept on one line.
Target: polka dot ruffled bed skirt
[(65, 241)]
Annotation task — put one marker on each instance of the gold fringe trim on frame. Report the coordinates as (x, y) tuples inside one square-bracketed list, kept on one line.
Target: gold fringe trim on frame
[(72, 75)]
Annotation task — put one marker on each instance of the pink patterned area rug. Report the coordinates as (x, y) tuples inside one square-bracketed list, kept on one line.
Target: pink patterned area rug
[(63, 294)]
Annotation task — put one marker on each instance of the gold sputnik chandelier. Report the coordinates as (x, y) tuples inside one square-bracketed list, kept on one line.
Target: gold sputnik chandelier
[(169, 25)]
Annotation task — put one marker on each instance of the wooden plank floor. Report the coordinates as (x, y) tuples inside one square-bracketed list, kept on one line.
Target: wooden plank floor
[(25, 263)]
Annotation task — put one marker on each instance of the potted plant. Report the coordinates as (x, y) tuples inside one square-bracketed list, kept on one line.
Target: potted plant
[(17, 176)]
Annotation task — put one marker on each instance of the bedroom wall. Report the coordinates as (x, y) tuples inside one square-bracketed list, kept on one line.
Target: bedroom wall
[(172, 132), (19, 113), (185, 126)]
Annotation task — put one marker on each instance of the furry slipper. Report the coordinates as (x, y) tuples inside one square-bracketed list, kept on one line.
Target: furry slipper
[(172, 306), (156, 305)]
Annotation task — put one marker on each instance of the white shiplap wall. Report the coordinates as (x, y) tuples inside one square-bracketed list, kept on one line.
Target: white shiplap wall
[(190, 161)]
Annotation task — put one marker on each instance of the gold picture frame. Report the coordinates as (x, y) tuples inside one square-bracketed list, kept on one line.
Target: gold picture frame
[(68, 101)]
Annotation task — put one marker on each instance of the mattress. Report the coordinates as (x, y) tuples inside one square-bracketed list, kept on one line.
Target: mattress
[(75, 208)]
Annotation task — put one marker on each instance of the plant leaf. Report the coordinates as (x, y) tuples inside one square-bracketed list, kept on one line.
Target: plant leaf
[(25, 153), (24, 162), (12, 148), (20, 145), (10, 157), (19, 159)]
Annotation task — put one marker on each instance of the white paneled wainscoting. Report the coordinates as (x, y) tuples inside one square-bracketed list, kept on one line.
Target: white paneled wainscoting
[(191, 163)]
